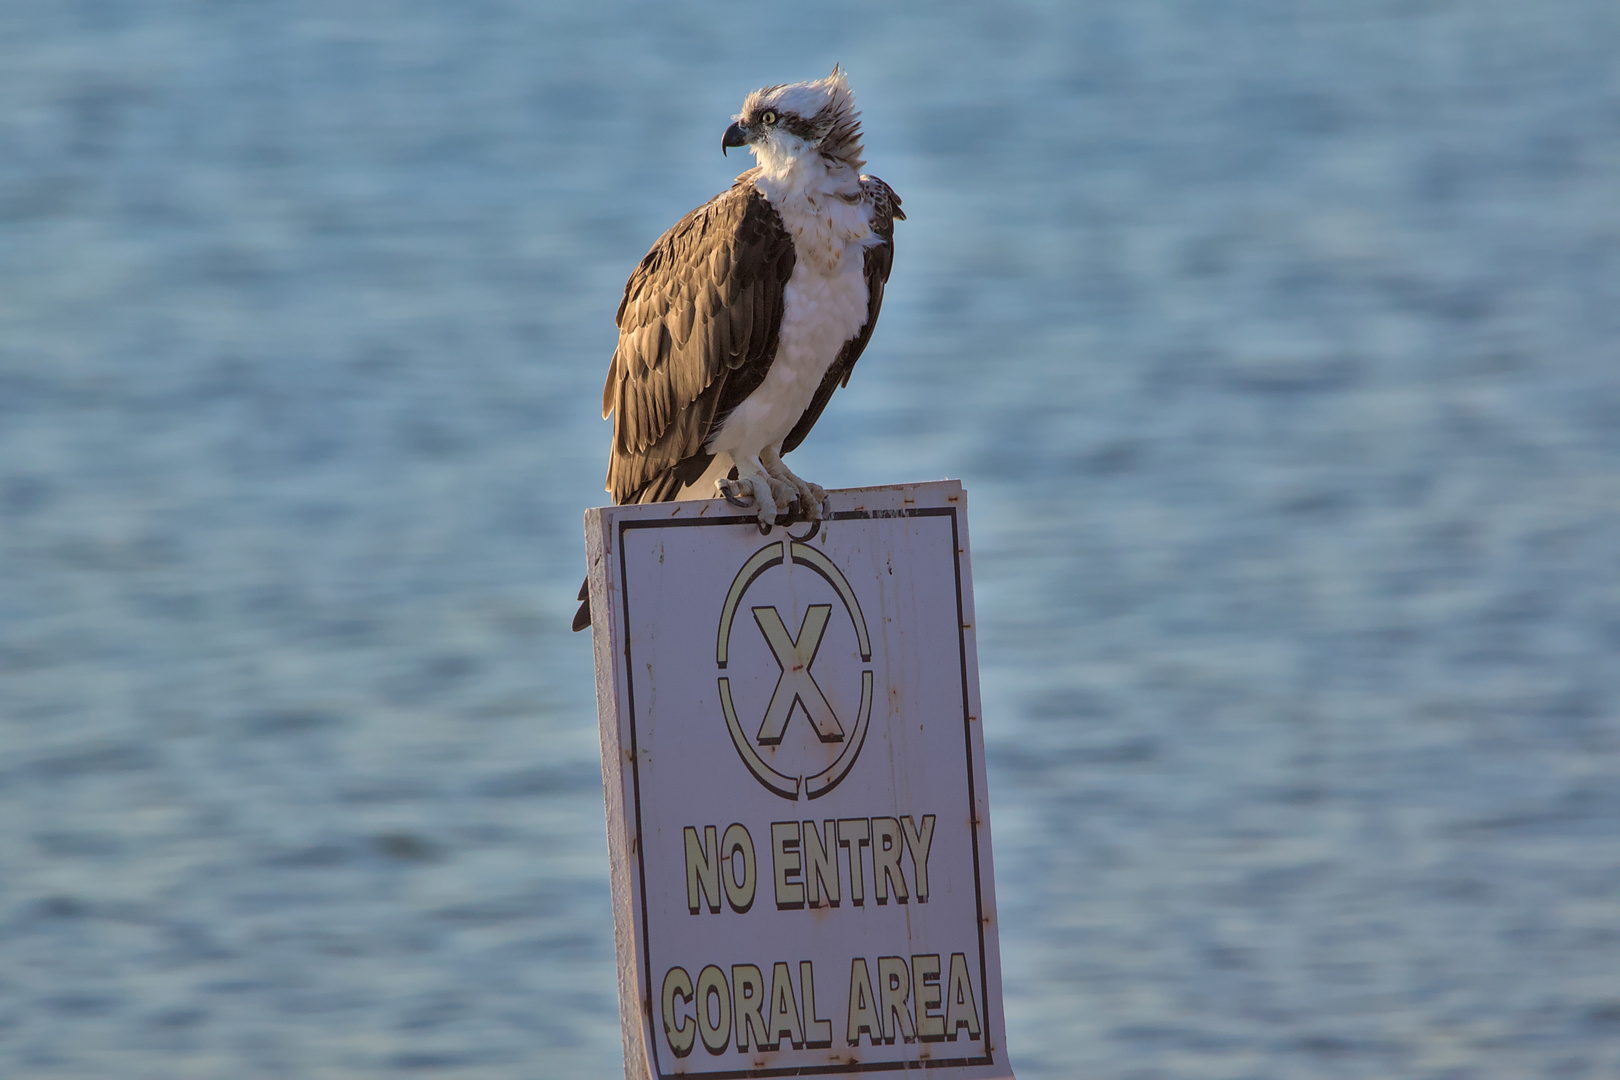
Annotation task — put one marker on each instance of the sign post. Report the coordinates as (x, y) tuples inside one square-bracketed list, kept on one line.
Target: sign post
[(794, 775)]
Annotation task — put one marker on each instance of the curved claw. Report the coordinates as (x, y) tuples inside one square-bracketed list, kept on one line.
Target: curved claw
[(728, 490), (815, 527)]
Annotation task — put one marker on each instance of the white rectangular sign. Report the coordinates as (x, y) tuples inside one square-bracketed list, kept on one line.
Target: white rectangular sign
[(794, 775)]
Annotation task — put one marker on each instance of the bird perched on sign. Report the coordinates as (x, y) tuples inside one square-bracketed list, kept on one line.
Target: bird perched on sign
[(746, 315)]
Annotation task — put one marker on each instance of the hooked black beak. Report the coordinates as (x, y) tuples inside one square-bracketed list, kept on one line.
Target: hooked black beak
[(734, 137)]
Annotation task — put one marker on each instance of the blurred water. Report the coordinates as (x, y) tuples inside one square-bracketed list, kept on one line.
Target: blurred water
[(1276, 344)]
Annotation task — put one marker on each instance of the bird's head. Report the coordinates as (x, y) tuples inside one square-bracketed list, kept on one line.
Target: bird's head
[(780, 124)]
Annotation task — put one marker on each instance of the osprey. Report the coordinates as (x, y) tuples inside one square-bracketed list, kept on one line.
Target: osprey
[(746, 315)]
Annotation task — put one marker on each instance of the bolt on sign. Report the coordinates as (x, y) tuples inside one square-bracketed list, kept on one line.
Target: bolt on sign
[(794, 775)]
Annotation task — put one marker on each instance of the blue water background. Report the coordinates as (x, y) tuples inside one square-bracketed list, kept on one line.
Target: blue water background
[(1278, 346)]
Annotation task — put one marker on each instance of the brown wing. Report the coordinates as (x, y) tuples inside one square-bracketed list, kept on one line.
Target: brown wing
[(879, 260), (697, 331)]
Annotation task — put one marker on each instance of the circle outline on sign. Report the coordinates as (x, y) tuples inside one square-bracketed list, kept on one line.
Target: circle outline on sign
[(778, 553)]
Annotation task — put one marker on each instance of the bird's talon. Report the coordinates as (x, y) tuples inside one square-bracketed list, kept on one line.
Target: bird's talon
[(815, 527), (739, 493)]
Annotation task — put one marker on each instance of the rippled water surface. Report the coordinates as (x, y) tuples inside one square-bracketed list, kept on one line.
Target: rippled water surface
[(1277, 344)]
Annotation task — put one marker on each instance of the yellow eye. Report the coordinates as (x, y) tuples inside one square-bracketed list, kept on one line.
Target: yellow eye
[(767, 117)]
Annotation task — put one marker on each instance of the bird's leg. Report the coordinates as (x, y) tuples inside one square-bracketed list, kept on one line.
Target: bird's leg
[(809, 496), (753, 482)]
